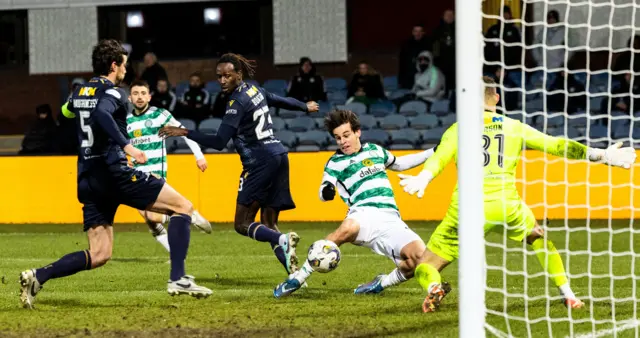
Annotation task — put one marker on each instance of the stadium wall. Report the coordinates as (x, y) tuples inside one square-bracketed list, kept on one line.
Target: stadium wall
[(43, 189)]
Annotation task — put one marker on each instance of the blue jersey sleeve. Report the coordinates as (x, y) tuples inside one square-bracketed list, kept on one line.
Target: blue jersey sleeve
[(233, 113), (290, 103), (103, 114)]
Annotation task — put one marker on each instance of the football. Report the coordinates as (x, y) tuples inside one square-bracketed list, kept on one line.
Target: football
[(324, 256)]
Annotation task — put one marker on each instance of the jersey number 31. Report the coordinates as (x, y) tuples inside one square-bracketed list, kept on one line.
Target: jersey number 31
[(486, 143)]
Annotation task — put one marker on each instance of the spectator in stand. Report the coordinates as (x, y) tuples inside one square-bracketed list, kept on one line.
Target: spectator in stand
[(508, 98), (566, 84), (164, 97), (620, 99), (194, 104), (430, 83), (218, 108), (153, 71), (409, 54), (444, 48), (366, 85), (510, 34), (554, 42), (41, 137), (628, 61), (307, 85)]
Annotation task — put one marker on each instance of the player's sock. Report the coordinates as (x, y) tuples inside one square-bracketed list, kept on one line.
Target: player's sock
[(394, 278), (65, 266), (427, 276), (163, 239), (165, 219), (279, 252), (262, 233), (554, 268), (179, 236), (305, 271), (160, 234)]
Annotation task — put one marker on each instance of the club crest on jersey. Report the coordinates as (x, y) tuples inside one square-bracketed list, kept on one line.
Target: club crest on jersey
[(367, 162), (231, 102), (148, 123), (137, 133)]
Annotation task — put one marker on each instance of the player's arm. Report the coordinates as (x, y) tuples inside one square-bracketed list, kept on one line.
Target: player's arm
[(195, 148), (289, 103), (407, 162), (328, 186), (172, 104), (103, 115), (68, 110)]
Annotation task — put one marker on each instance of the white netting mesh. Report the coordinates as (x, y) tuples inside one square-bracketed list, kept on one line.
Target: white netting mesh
[(577, 78)]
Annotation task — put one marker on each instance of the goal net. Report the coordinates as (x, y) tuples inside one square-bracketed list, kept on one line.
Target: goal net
[(568, 68)]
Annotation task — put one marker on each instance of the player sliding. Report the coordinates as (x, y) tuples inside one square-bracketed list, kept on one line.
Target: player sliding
[(264, 181), (105, 180), (503, 140), (143, 124), (359, 173)]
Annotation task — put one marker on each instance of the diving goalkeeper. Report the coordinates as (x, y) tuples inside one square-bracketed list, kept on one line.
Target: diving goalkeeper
[(503, 141)]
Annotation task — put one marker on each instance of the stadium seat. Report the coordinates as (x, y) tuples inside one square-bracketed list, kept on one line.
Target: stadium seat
[(214, 151), (622, 132), (424, 121), (276, 86), (278, 123), (319, 122), (313, 137), (287, 137), (382, 108), (398, 93), (579, 119), (619, 119), (335, 84), (307, 148), (595, 103), (432, 135), (368, 122), (376, 136), (337, 97), (413, 108), (301, 124), (597, 133), (405, 136), (213, 87), (555, 120), (393, 122), (516, 78), (356, 107), (210, 125), (440, 107), (332, 147), (323, 107), (189, 124), (517, 115), (289, 114), (448, 120), (182, 88), (390, 83), (401, 146), (571, 133), (533, 106)]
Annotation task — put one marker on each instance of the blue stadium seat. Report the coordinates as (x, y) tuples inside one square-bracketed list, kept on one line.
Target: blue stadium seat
[(394, 122), (189, 124), (335, 84), (398, 93), (307, 148), (368, 122), (287, 137), (622, 132), (579, 119), (289, 114), (533, 106), (301, 124), (424, 121), (323, 107), (413, 108), (313, 137), (595, 103), (432, 135), (516, 78), (517, 115), (276, 86), (440, 107), (555, 120), (581, 77), (337, 97), (401, 146), (405, 136), (376, 136), (597, 133), (278, 123), (319, 122), (619, 119), (390, 83), (210, 125), (332, 147), (382, 108), (600, 79), (571, 133), (448, 120), (181, 144), (213, 87), (182, 88), (356, 107)]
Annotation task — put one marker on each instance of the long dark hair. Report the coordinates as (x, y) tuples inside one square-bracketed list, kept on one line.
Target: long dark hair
[(241, 64)]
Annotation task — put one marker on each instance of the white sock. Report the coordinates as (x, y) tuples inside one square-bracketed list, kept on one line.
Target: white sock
[(394, 278), (164, 240), (305, 271), (282, 240), (165, 219), (565, 291)]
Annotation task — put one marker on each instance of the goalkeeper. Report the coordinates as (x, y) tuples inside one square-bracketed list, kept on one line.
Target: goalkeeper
[(503, 141)]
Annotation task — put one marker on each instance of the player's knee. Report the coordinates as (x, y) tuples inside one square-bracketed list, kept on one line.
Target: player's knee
[(241, 228), (184, 207), (100, 256)]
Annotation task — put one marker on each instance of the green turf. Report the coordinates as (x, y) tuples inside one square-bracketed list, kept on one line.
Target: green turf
[(128, 296)]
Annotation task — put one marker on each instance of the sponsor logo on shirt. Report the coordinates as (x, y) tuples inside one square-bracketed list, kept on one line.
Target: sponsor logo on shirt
[(231, 112)]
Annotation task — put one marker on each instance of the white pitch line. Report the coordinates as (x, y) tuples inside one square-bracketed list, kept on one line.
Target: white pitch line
[(619, 328)]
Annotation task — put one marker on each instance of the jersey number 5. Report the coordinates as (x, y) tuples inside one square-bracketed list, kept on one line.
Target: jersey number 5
[(261, 131), (487, 143), (88, 142)]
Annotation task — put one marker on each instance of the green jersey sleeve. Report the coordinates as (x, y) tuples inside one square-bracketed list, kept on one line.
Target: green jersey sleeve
[(556, 146), (446, 151)]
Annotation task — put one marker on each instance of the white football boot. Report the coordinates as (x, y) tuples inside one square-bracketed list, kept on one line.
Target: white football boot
[(30, 287), (187, 286), (200, 222)]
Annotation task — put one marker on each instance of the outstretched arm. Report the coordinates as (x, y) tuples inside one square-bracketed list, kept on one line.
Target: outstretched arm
[(411, 161), (103, 115), (195, 149), (216, 141), (290, 103)]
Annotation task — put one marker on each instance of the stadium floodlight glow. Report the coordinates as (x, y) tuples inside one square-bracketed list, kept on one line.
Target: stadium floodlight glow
[(135, 19), (212, 16)]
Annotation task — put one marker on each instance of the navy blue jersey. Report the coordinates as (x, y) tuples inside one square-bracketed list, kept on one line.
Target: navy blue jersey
[(101, 110)]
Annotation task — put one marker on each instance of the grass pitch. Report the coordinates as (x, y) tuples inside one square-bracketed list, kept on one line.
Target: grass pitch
[(128, 296)]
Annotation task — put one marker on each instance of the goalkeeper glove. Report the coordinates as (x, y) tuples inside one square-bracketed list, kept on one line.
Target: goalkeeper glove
[(328, 192), (614, 156), (413, 184)]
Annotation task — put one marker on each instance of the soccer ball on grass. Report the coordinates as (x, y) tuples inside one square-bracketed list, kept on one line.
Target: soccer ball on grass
[(324, 256)]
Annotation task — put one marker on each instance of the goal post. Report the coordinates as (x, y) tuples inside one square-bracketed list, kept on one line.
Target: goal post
[(470, 104)]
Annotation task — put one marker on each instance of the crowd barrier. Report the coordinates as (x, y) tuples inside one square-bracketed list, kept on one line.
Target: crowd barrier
[(43, 189)]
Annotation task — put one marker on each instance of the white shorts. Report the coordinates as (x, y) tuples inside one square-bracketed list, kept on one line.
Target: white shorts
[(382, 231)]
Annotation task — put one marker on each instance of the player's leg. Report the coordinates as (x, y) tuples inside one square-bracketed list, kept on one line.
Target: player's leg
[(154, 221), (269, 217)]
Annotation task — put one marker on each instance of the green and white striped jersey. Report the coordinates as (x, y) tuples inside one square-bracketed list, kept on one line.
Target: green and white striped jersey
[(361, 178), (143, 132)]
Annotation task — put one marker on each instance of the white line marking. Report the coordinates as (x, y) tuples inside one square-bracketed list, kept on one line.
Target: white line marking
[(619, 328)]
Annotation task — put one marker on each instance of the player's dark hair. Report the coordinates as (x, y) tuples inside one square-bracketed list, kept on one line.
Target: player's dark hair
[(104, 54), (139, 83), (489, 86), (240, 64), (338, 117)]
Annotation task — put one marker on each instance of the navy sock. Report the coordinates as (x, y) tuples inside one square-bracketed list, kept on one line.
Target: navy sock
[(262, 233), (279, 252), (65, 266), (179, 235)]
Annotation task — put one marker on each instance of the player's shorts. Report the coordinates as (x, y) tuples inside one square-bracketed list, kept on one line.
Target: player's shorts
[(512, 217), (384, 232), (267, 182), (101, 191)]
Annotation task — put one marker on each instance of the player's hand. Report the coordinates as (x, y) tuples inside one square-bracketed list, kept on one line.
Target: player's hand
[(617, 156), (169, 131), (328, 192), (416, 184), (137, 154), (312, 106), (202, 164)]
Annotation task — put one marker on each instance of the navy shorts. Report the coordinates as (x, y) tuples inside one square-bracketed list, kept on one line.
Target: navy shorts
[(267, 183), (101, 192)]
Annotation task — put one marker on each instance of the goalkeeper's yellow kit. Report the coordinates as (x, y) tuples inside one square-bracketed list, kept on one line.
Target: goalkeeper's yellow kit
[(503, 141)]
